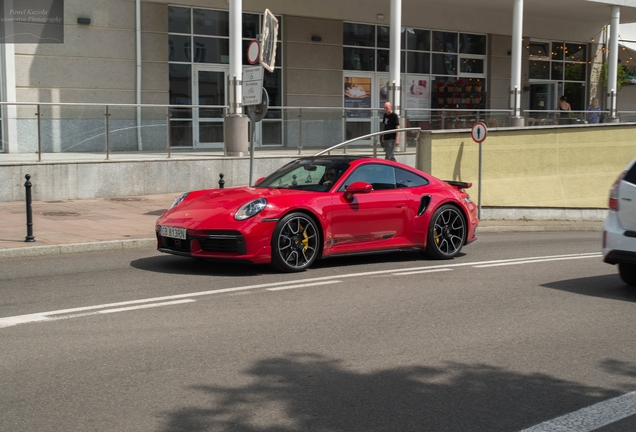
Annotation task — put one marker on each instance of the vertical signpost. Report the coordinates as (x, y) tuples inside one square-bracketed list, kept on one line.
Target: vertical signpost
[(478, 133)]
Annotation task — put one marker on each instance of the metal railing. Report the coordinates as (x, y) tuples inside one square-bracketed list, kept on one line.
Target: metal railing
[(97, 131)]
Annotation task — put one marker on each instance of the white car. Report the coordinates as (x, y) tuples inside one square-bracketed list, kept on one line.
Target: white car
[(619, 229)]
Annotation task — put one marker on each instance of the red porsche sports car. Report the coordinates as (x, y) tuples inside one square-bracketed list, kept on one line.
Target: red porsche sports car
[(319, 207)]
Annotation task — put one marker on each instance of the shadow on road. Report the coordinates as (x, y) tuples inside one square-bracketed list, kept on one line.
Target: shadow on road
[(607, 286), (308, 392), (191, 266)]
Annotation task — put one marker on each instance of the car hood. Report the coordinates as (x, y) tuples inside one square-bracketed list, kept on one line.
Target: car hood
[(222, 204)]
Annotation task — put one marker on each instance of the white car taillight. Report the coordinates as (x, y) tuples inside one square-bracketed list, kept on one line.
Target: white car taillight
[(613, 198)]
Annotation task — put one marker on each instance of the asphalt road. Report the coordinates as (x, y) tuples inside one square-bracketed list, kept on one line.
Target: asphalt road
[(519, 330)]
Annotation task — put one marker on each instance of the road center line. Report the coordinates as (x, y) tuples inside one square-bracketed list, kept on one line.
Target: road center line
[(592, 417), (44, 316)]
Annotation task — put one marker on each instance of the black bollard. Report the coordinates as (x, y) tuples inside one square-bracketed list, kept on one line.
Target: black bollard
[(221, 181), (29, 210)]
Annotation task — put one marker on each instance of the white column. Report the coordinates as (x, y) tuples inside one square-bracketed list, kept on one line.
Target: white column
[(395, 49), (613, 61), (9, 94), (515, 67), (236, 65)]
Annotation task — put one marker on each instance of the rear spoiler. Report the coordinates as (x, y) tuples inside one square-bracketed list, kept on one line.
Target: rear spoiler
[(458, 184)]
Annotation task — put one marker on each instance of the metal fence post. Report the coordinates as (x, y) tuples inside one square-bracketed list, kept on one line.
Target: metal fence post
[(168, 131), (107, 134), (300, 130), (39, 115)]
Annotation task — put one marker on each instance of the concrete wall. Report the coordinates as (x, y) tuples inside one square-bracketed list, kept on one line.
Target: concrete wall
[(105, 179), (550, 167)]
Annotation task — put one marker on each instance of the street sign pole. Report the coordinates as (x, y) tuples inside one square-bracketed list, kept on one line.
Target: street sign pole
[(479, 188), (478, 133)]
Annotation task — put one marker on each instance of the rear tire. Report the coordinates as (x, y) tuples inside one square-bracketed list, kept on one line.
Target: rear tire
[(295, 243), (446, 233), (628, 273)]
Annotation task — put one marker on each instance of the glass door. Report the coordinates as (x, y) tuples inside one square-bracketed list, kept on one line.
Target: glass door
[(209, 88)]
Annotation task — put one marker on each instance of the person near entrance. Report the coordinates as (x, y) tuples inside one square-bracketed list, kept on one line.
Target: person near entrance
[(390, 121), (563, 105)]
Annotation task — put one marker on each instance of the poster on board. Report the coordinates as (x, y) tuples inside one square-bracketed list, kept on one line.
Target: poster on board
[(357, 94), (418, 96)]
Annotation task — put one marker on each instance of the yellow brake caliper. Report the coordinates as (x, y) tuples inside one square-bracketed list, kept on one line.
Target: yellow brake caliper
[(305, 241), (435, 235)]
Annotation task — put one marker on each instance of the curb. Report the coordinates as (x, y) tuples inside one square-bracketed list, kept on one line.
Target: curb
[(111, 245), (78, 248), (535, 228)]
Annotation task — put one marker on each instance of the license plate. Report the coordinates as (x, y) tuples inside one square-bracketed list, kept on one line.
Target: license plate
[(172, 232)]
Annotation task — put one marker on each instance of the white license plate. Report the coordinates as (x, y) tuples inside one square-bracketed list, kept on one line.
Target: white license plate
[(172, 232)]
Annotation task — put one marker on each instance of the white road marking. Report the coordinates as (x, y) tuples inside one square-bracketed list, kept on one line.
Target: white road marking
[(591, 418), (533, 261), (303, 285), (420, 271), (45, 316)]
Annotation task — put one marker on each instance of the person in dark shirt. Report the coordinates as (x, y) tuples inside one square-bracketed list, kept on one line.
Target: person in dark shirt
[(390, 121)]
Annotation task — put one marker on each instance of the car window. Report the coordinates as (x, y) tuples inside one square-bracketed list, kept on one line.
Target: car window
[(630, 177), (408, 179), (378, 175)]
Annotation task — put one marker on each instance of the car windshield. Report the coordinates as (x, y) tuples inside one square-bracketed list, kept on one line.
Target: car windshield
[(306, 174)]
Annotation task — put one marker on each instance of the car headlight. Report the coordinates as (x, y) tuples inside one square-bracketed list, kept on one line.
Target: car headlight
[(250, 209), (180, 198)]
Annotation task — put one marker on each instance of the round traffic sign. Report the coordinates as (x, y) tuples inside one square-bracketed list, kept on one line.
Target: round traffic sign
[(253, 52), (478, 132)]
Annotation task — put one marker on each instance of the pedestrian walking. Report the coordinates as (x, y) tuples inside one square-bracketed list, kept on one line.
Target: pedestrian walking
[(390, 121)]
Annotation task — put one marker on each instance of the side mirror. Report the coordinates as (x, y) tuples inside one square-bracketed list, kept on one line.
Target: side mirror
[(357, 188), (259, 180)]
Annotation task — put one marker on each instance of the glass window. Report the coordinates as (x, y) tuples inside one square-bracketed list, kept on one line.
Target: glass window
[(251, 26), (445, 41), (359, 59), (178, 19), (557, 51), (384, 38), (211, 50), (406, 179), (379, 176), (418, 62), (557, 71), (418, 39), (383, 60), (181, 133), (539, 69), (575, 71), (539, 50), (471, 65), (444, 64), (211, 22), (180, 84), (472, 43), (178, 48), (575, 52), (359, 34)]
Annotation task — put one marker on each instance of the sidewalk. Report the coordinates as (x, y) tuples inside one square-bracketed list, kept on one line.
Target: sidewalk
[(73, 226)]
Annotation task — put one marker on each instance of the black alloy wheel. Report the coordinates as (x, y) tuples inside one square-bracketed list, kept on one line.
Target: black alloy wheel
[(295, 243), (446, 233)]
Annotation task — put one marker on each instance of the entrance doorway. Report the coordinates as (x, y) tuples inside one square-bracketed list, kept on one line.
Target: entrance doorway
[(209, 88)]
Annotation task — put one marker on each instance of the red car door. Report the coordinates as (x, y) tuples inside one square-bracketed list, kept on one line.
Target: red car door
[(368, 221)]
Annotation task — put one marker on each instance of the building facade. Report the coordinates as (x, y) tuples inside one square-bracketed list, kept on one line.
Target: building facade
[(332, 68)]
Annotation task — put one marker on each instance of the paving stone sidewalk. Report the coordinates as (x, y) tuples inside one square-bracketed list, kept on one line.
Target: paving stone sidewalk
[(128, 222)]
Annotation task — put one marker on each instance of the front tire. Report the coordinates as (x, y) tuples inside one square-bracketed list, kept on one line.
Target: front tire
[(295, 243), (628, 273), (446, 233)]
